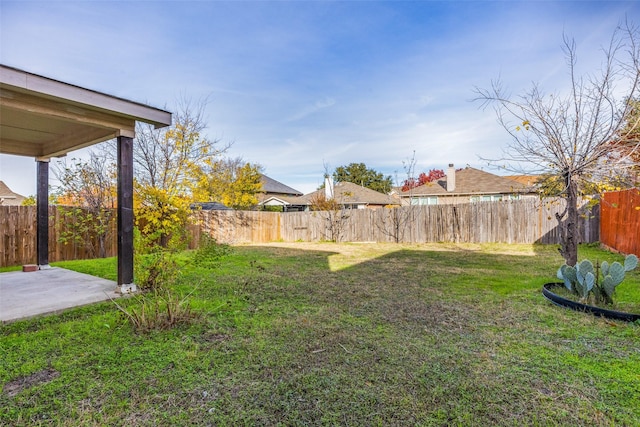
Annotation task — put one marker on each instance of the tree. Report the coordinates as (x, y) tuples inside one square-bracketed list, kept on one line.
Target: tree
[(333, 213), (230, 181), (569, 136), (29, 201), (423, 178), (358, 173), (90, 187), (168, 164), (628, 138)]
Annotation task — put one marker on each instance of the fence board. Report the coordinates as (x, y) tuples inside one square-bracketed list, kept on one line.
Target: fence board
[(18, 237), (522, 221), (620, 221)]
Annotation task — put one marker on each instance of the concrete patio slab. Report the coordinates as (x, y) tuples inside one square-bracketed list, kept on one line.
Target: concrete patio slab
[(24, 295)]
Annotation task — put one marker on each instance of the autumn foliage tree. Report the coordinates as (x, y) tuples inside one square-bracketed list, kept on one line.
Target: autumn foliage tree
[(230, 181), (423, 178), (88, 190), (168, 163)]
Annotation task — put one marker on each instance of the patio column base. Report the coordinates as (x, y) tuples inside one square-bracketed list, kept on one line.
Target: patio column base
[(127, 289), (44, 267)]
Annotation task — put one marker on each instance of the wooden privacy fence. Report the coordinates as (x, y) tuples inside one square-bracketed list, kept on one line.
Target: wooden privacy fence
[(522, 221), (620, 221), (18, 235), (236, 226)]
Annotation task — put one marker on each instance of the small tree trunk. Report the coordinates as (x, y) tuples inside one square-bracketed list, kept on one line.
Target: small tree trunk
[(568, 223), (164, 240), (102, 249)]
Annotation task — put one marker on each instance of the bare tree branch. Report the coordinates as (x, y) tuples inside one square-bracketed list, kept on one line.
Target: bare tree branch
[(575, 135)]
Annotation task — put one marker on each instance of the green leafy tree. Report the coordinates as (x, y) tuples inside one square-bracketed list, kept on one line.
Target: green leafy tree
[(569, 135), (358, 173)]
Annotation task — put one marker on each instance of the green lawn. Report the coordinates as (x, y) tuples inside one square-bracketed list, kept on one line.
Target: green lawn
[(337, 334)]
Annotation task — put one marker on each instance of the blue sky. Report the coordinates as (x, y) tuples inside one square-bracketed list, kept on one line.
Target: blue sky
[(299, 85)]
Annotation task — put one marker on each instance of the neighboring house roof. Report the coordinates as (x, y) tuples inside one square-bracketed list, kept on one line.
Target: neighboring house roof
[(284, 200), (8, 197), (469, 181), (527, 180), (271, 186), (348, 193), (211, 206)]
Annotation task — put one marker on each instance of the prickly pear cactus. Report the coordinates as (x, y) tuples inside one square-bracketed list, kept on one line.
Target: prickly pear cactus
[(604, 268), (614, 275), (584, 279), (567, 273), (630, 262)]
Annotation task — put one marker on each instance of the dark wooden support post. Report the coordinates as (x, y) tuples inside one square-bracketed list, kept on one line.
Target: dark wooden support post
[(125, 214), (42, 211)]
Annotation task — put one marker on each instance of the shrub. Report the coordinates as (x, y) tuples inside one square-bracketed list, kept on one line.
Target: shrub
[(155, 266), (210, 252)]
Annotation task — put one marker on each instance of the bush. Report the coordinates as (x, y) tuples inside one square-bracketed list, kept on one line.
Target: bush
[(155, 266), (210, 252)]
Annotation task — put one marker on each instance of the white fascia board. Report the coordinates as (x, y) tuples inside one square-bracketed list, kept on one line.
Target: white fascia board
[(65, 91)]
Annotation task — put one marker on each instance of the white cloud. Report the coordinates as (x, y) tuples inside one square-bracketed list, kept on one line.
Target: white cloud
[(297, 85)]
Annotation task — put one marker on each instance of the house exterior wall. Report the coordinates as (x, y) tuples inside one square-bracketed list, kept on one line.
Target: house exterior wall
[(445, 199)]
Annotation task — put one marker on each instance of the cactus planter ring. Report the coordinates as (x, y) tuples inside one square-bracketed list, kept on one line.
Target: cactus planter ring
[(547, 291), (585, 281), (592, 283)]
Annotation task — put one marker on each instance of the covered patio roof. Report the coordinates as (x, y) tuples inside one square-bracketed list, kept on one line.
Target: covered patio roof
[(44, 118), (41, 117)]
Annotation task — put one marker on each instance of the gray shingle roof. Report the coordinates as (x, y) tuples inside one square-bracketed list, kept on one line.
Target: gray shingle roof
[(350, 193), (8, 196), (469, 181), (210, 206), (271, 186)]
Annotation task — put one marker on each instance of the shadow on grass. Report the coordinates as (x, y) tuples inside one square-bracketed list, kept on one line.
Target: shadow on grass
[(341, 335)]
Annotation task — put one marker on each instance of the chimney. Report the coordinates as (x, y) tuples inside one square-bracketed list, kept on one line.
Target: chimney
[(451, 178), (328, 187)]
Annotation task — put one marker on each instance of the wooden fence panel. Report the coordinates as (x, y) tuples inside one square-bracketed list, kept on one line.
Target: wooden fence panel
[(620, 221), (18, 236), (65, 222), (235, 226), (522, 221)]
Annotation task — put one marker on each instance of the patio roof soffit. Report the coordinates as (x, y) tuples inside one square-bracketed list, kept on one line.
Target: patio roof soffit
[(44, 118)]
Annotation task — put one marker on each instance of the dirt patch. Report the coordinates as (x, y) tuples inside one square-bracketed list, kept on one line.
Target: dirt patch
[(14, 387)]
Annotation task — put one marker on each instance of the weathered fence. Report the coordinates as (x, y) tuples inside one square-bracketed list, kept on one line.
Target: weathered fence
[(18, 235), (236, 226), (522, 221), (620, 221)]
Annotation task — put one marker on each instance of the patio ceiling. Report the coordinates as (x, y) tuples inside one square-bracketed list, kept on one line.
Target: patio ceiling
[(43, 118)]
